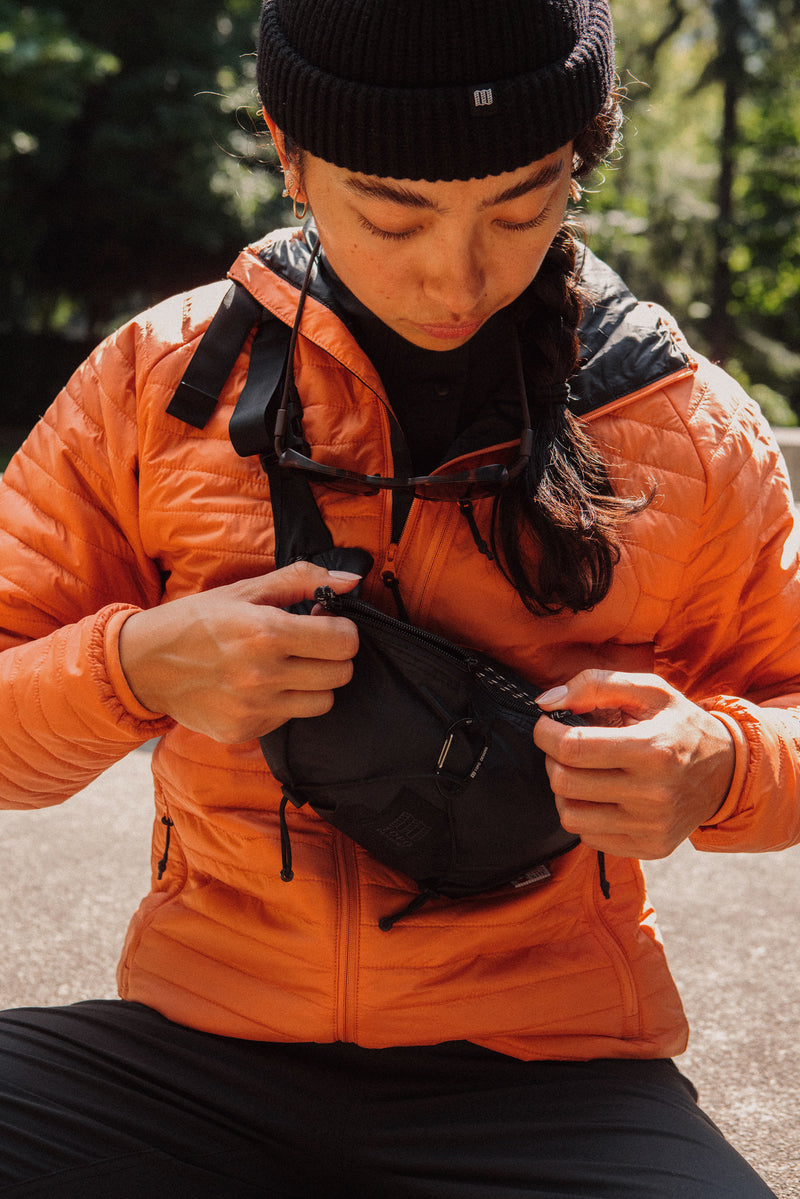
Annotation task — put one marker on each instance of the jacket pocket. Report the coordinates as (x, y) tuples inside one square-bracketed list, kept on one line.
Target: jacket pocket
[(605, 915)]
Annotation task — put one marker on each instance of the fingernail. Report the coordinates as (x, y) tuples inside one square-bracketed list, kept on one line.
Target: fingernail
[(554, 696), (343, 574)]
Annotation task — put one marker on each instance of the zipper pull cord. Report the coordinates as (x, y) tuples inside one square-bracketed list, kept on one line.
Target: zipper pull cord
[(467, 511), (391, 581), (387, 923), (162, 865), (287, 874)]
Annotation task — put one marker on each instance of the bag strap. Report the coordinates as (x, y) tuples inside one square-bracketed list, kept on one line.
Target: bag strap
[(198, 392), (300, 531)]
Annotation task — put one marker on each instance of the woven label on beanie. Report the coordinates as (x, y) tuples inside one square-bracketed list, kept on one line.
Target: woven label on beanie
[(483, 102)]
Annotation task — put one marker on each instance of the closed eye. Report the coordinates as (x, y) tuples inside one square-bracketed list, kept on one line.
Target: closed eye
[(521, 226), (386, 234)]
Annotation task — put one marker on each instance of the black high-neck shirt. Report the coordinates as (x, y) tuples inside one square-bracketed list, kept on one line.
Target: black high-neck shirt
[(440, 395)]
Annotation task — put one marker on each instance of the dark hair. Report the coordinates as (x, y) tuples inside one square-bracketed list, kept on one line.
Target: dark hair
[(556, 528)]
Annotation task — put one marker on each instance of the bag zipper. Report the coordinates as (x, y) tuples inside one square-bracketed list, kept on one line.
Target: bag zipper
[(342, 605), (487, 675)]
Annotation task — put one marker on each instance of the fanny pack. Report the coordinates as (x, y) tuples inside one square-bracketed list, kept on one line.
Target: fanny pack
[(427, 760)]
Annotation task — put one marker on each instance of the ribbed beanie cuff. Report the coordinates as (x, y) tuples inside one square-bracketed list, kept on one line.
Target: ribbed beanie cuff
[(434, 89)]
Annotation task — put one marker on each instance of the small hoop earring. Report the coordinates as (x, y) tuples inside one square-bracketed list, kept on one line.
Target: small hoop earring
[(299, 216)]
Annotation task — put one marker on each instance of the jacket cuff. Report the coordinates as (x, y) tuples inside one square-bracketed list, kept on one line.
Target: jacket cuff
[(116, 617), (760, 812), (741, 746)]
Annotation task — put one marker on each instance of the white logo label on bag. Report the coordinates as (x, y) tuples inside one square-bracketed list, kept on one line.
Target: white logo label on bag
[(539, 874)]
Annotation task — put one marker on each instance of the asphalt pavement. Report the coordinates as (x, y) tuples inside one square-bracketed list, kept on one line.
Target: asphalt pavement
[(73, 875)]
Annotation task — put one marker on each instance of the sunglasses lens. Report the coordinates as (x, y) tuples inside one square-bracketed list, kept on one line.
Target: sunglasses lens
[(457, 490), (349, 486), (485, 480)]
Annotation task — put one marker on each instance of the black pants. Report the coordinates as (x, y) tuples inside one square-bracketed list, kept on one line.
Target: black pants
[(109, 1100)]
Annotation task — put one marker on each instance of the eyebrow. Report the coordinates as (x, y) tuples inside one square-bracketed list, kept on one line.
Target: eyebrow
[(381, 189), (539, 179)]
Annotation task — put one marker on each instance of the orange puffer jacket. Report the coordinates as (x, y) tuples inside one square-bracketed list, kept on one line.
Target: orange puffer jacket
[(112, 505)]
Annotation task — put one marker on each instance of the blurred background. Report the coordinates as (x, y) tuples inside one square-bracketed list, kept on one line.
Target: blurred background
[(134, 164)]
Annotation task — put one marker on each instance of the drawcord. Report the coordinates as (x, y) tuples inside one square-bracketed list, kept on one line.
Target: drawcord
[(162, 865), (466, 509), (287, 874), (386, 923), (604, 883), (391, 581)]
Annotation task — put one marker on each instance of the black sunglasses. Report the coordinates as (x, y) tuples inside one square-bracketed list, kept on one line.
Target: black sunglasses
[(481, 481)]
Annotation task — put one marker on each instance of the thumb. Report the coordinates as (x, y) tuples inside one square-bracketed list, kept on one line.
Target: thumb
[(293, 583), (636, 695)]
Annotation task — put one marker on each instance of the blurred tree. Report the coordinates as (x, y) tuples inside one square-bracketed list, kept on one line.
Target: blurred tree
[(132, 165), (124, 154)]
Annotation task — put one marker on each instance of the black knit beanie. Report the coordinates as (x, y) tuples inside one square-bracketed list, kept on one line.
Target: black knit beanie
[(434, 89)]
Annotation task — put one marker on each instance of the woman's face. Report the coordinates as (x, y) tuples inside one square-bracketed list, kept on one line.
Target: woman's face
[(435, 260)]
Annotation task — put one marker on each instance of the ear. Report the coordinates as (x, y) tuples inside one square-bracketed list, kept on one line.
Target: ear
[(278, 139)]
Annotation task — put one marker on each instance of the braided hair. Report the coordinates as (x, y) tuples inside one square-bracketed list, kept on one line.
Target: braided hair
[(556, 528)]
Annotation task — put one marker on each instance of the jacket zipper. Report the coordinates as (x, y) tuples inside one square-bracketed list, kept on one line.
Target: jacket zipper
[(606, 935), (347, 954)]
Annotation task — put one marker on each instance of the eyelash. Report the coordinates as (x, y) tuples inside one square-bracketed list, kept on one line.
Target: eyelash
[(522, 228), (509, 226), (385, 234)]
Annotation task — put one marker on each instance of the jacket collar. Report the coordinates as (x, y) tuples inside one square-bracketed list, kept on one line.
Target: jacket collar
[(627, 346)]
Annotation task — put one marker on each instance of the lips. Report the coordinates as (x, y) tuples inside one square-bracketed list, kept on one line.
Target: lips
[(451, 332)]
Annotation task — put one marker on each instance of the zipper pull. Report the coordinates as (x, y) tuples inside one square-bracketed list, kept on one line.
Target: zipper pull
[(391, 581), (468, 512), (327, 597), (287, 874), (162, 865)]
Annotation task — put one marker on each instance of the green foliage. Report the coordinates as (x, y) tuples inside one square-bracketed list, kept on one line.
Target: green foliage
[(712, 87), (132, 165)]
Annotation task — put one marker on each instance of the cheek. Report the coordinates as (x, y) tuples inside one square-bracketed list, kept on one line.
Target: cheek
[(371, 276)]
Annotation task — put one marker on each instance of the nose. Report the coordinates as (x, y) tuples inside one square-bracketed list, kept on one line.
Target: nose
[(455, 275)]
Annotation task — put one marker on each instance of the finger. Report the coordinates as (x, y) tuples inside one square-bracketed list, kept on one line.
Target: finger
[(615, 829), (638, 695), (616, 839), (293, 583), (586, 749), (590, 820), (318, 638), (313, 674)]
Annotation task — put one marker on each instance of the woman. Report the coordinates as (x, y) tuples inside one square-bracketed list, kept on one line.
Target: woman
[(633, 562)]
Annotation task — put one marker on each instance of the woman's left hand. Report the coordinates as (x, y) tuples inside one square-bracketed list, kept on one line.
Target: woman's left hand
[(645, 773)]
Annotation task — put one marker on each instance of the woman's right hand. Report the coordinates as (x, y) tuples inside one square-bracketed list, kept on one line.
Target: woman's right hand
[(231, 663)]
